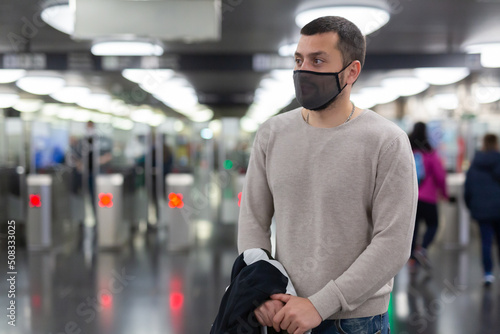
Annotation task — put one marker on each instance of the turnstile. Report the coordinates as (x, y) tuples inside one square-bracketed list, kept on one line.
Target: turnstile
[(230, 204), (456, 229), (39, 218), (179, 211), (113, 229)]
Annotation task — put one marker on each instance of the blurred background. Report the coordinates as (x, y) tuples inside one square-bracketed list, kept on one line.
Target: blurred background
[(125, 134)]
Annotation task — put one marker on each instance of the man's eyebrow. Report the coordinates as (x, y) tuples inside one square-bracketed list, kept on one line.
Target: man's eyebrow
[(312, 54)]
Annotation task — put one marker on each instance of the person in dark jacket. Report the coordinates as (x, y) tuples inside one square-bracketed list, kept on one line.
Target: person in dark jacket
[(482, 197)]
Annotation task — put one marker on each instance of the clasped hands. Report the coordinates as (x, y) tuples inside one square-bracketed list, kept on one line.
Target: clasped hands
[(296, 315)]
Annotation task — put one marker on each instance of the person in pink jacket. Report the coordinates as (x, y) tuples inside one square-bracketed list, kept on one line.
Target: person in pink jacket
[(432, 184)]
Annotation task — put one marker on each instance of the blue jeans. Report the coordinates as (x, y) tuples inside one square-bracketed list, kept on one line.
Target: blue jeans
[(489, 229), (378, 324)]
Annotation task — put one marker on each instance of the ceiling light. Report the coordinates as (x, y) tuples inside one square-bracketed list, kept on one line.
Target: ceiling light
[(40, 85), (487, 94), (70, 94), (122, 123), (60, 17), (7, 76), (28, 105), (178, 126), (8, 100), (126, 48), (215, 126), (201, 116), (405, 86), (489, 53), (379, 95), (249, 125), (116, 107), (67, 112), (287, 50), (441, 75), (362, 101), (448, 101), (142, 115), (156, 119), (50, 109), (80, 115), (490, 56), (206, 133), (179, 98), (367, 19), (478, 48), (95, 101), (97, 117), (143, 76)]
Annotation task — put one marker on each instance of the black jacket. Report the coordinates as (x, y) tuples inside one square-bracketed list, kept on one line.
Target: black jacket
[(482, 186), (254, 278)]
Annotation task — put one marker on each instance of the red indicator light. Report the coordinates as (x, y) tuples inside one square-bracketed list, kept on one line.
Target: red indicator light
[(175, 200), (105, 200), (239, 198), (176, 300), (36, 301), (106, 300), (35, 201)]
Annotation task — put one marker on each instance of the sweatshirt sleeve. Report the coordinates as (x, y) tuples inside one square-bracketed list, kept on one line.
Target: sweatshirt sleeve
[(393, 211), (439, 174), (257, 208)]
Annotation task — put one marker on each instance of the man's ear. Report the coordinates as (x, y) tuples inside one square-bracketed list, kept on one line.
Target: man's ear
[(353, 72)]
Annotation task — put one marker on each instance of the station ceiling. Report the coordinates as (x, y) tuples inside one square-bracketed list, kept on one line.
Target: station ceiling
[(419, 33)]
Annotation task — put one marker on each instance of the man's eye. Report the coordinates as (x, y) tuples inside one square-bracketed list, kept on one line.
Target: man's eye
[(318, 61), (298, 61)]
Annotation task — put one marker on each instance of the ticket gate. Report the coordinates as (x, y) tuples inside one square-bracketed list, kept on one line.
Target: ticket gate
[(456, 229), (39, 217), (113, 228), (179, 212)]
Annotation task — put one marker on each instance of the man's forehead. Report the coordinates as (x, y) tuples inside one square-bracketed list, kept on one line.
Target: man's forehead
[(318, 43)]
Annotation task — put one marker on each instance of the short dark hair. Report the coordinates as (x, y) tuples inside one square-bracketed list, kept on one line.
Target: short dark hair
[(351, 44), (490, 142)]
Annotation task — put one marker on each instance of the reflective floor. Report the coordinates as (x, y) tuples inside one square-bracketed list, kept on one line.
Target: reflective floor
[(144, 288)]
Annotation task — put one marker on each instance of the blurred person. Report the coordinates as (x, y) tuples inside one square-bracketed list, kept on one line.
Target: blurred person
[(341, 184), (431, 177), (85, 158), (482, 197), (161, 172)]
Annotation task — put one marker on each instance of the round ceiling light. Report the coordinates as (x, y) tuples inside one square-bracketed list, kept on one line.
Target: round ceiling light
[(7, 76), (70, 94), (441, 75), (40, 85), (405, 86), (489, 53), (126, 48), (367, 19), (60, 17), (8, 100), (487, 94)]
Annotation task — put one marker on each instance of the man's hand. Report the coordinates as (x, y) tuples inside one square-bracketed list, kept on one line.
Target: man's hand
[(297, 316), (266, 312)]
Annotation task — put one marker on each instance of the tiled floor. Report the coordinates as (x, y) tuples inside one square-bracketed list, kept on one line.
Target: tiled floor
[(143, 288)]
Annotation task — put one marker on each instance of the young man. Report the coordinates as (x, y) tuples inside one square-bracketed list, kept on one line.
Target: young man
[(341, 184)]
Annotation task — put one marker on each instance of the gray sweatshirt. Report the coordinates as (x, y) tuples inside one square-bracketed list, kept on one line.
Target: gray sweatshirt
[(344, 200)]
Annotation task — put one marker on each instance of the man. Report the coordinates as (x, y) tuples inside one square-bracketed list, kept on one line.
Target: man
[(341, 184)]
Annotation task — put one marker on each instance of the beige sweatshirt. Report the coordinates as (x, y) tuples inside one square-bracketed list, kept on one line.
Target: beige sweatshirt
[(344, 201)]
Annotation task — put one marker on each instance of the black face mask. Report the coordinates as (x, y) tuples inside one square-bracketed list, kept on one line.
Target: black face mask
[(317, 90)]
